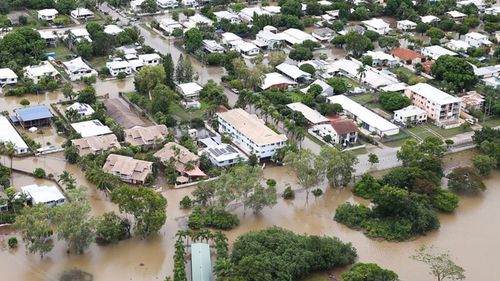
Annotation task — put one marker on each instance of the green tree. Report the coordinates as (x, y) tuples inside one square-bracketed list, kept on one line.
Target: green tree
[(192, 40), (300, 53), (392, 101), (292, 8), (168, 66), (339, 85), (110, 228), (440, 264), (357, 44), (65, 6), (39, 173), (149, 6), (455, 71), (87, 95), (367, 187), (146, 205), (161, 98), (484, 164), (369, 271), (435, 33), (465, 179), (148, 78), (373, 159), (337, 166), (35, 227), (306, 167), (367, 60)]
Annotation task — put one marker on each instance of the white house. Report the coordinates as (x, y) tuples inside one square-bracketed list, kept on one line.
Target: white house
[(112, 29), (456, 15), (247, 49), (477, 40), (82, 14), (327, 90), (212, 46), (150, 59), (323, 34), (457, 45), (295, 36), (47, 14), (429, 19), (295, 73), (410, 115), (91, 128), (272, 10), (193, 21), (49, 36), (166, 4), (377, 25), (366, 118), (495, 10), (343, 132), (227, 38), (276, 80), (250, 134), (189, 3), (78, 69), (382, 59), (36, 72), (272, 39), (189, 90), (225, 15), (169, 25), (7, 77), (79, 34), (117, 66), (436, 51), (136, 5), (49, 195), (9, 134), (224, 155), (82, 108), (406, 25), (246, 14), (312, 115)]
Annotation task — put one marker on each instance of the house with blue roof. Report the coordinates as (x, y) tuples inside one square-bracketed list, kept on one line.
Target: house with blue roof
[(33, 116)]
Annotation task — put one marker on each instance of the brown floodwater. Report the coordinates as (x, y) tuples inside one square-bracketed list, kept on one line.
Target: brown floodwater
[(469, 234)]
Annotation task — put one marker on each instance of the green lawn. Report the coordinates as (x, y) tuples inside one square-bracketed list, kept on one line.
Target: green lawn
[(98, 62), (351, 84), (179, 111), (61, 51), (369, 100), (492, 122), (421, 132), (446, 133), (405, 72)]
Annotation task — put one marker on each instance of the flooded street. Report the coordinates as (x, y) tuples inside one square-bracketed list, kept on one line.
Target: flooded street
[(462, 233)]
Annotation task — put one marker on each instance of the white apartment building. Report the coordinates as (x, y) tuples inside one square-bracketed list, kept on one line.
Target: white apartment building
[(78, 69), (47, 14), (477, 40), (377, 25), (441, 107), (7, 77), (250, 134), (117, 66), (410, 115)]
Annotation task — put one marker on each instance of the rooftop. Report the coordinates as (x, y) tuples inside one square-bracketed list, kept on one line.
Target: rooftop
[(7, 73), (123, 114), (9, 134), (76, 64), (139, 136), (223, 152), (48, 12), (292, 71), (42, 194), (433, 94), (81, 108), (376, 23), (121, 165), (312, 115), (406, 54), (438, 51), (33, 113), (252, 127), (190, 88), (429, 19), (344, 126), (112, 29), (275, 78), (96, 144), (90, 128), (409, 111), (296, 36), (201, 266)]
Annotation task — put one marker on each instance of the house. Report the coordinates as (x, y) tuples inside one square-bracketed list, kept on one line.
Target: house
[(327, 90), (118, 66), (247, 49), (276, 80), (486, 71), (145, 136), (345, 132), (477, 40), (78, 69), (134, 62), (250, 134), (457, 45), (407, 56), (123, 113), (227, 38), (91, 128), (79, 34), (96, 144), (246, 14), (166, 4), (49, 36), (201, 265), (480, 4), (224, 155), (380, 58), (186, 163), (436, 51), (472, 100), (128, 169), (33, 116), (377, 25), (373, 78), (495, 10), (225, 15), (7, 77), (81, 108), (352, 28), (189, 90), (36, 72), (47, 14), (441, 107), (135, 5), (9, 134), (212, 46), (296, 36), (366, 118), (270, 38), (295, 73), (272, 10), (194, 21), (189, 3), (398, 87), (169, 25), (406, 25), (82, 14), (112, 29), (312, 115), (429, 19), (456, 15), (410, 115), (323, 34), (42, 194), (150, 59)]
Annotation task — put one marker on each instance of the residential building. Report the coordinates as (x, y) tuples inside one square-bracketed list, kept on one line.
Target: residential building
[(486, 71), (7, 77), (312, 115), (79, 34), (272, 10), (377, 25), (345, 132), (128, 169), (429, 19), (296, 36), (146, 136), (270, 38), (112, 29), (36, 72), (169, 25), (246, 14), (225, 15), (276, 80), (441, 107), (81, 108), (457, 45), (189, 3), (123, 113), (49, 36), (456, 15), (82, 14), (407, 56), (230, 39), (352, 28), (293, 72), (477, 40), (366, 118), (398, 87), (9, 134), (150, 59), (250, 133), (34, 116), (323, 34), (194, 21), (117, 66), (186, 163), (373, 78), (96, 144), (472, 100), (495, 10), (380, 58), (135, 5), (201, 265), (43, 194), (47, 14), (436, 51), (91, 128), (212, 46), (406, 25), (247, 49), (224, 155), (189, 90), (410, 115), (78, 69), (166, 4), (327, 90)]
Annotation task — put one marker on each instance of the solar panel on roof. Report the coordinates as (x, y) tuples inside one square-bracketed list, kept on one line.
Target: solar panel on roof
[(231, 149)]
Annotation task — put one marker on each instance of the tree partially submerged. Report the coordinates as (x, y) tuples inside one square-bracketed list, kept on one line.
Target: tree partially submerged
[(440, 264)]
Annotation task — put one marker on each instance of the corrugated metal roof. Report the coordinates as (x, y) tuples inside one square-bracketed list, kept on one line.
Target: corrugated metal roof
[(201, 267), (33, 113)]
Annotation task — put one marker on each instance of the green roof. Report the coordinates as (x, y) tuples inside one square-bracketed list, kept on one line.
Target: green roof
[(201, 266)]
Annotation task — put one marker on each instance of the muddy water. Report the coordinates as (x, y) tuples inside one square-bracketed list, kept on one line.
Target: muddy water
[(469, 234)]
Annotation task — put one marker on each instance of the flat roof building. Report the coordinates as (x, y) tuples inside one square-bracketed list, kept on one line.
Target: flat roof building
[(81, 108), (91, 128), (377, 25), (312, 115), (224, 154), (201, 266), (47, 14), (42, 194), (436, 51), (410, 115), (189, 90), (9, 134), (82, 14), (7, 77)]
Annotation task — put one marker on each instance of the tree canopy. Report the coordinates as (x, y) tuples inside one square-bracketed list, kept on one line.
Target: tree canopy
[(455, 71)]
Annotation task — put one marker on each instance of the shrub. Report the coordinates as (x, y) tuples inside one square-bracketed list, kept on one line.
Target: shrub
[(39, 173), (271, 182), (12, 242), (212, 217), (353, 216), (367, 187), (289, 194), (465, 179), (445, 201), (186, 202), (121, 75), (317, 192), (110, 228), (24, 102), (369, 271)]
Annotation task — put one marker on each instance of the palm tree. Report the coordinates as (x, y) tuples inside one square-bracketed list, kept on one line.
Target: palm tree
[(300, 134), (361, 72)]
